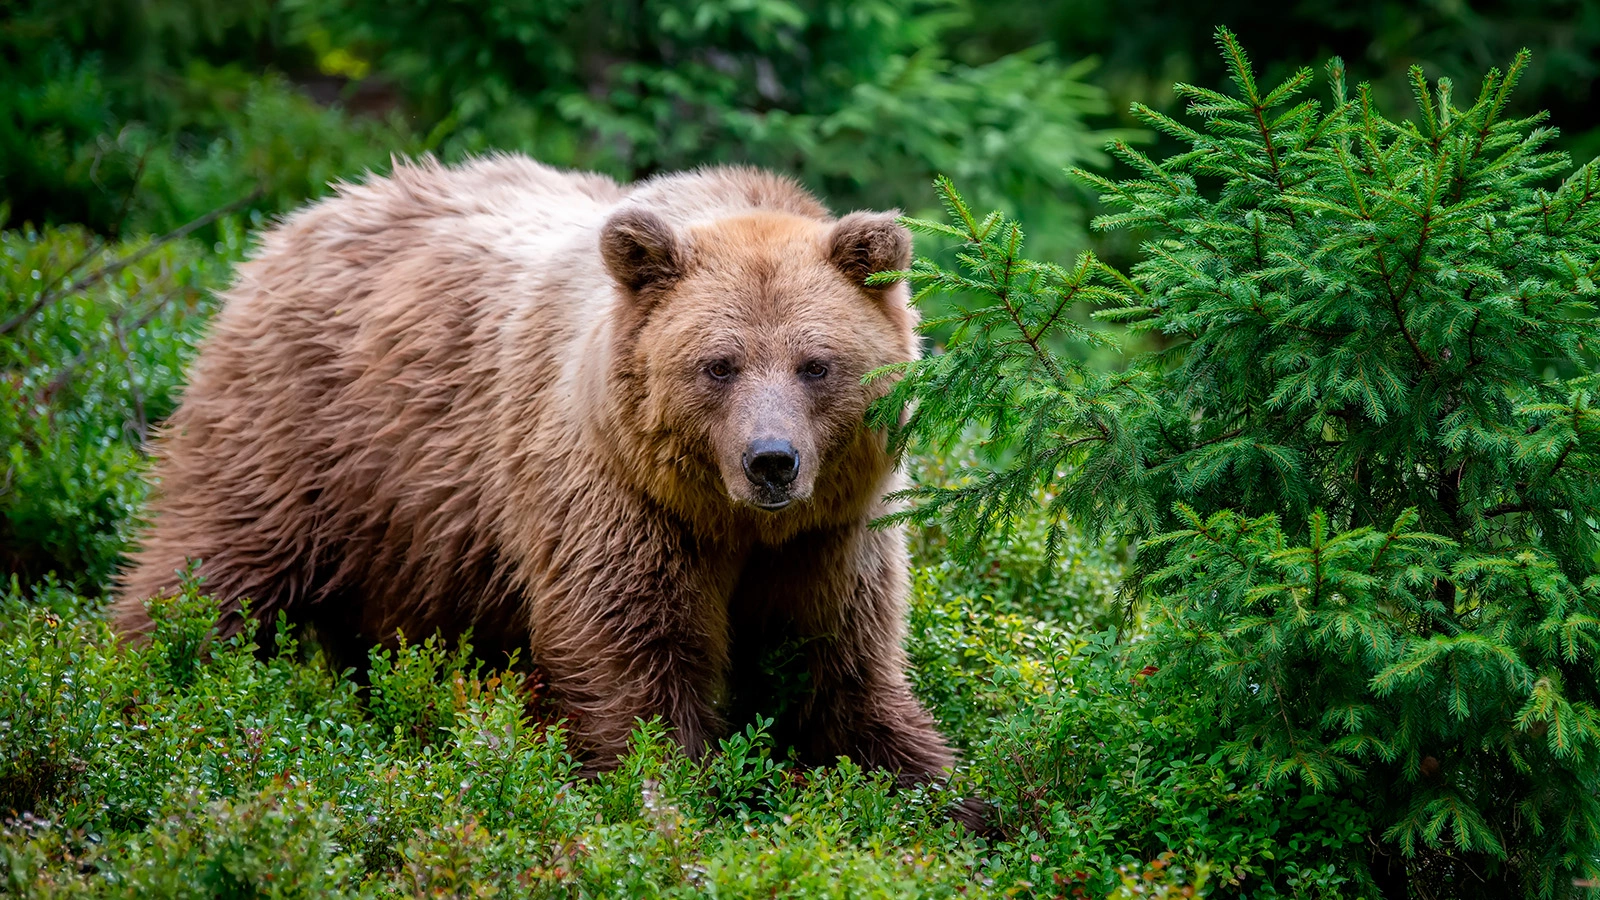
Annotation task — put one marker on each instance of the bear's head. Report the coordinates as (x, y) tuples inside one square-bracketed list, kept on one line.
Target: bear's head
[(746, 340)]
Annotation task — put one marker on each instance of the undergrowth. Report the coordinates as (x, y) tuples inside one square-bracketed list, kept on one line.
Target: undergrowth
[(197, 766)]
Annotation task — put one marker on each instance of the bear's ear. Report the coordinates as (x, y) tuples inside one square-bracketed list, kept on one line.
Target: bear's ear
[(866, 242), (641, 250)]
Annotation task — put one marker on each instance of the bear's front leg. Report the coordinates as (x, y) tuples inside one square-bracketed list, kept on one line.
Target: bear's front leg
[(633, 629), (842, 596)]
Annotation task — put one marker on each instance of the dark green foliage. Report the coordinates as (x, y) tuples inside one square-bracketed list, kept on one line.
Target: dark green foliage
[(1409, 306), (1362, 458), (1123, 766), (856, 98), (1000, 373), (94, 336), (1146, 45), (137, 117), (143, 116), (196, 766), (1471, 728)]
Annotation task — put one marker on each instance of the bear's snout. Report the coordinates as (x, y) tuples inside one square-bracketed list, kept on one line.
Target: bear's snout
[(771, 466)]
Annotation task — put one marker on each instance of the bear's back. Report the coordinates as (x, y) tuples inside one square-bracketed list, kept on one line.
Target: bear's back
[(337, 429)]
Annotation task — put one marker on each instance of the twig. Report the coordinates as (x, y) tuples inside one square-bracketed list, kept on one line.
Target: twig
[(98, 275), (141, 427), (127, 196), (1507, 508)]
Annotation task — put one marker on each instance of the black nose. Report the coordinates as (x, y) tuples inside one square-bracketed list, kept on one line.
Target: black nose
[(771, 463)]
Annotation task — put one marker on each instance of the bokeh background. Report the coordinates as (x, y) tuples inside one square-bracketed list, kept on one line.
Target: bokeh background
[(140, 115)]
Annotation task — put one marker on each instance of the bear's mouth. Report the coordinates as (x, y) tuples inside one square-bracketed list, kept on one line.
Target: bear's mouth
[(772, 505)]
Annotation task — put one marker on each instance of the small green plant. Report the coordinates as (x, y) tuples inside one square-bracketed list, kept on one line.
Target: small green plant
[(1160, 879), (1032, 567), (183, 632), (94, 337), (416, 690), (1361, 456)]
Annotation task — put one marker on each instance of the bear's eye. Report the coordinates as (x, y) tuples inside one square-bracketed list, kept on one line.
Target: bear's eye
[(814, 370), (721, 370)]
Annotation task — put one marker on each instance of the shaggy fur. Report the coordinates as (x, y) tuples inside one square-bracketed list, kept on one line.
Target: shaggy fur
[(493, 396)]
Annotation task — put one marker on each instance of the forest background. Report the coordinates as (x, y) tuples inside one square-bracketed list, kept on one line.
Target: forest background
[(143, 143)]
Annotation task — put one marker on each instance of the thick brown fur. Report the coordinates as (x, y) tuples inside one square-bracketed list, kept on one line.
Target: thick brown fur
[(479, 396)]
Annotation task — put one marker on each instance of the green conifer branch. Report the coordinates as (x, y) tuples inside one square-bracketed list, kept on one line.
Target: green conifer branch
[(1362, 465)]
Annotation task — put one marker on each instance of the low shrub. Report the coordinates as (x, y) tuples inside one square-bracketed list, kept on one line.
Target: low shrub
[(197, 766), (94, 337)]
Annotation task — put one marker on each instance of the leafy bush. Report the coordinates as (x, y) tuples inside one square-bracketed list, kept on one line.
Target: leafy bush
[(856, 98), (1115, 766), (131, 117), (414, 691), (1362, 457), (196, 766), (94, 336), (1073, 578), (259, 771)]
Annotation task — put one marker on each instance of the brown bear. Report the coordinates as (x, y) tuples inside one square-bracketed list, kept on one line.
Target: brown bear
[(619, 427)]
